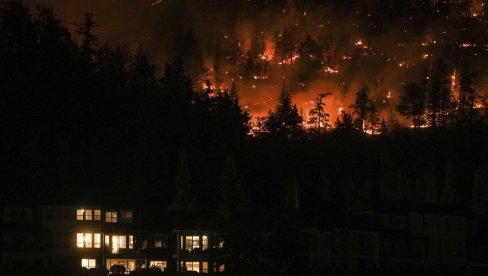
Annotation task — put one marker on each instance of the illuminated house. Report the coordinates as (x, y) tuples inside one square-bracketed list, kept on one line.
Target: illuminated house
[(94, 237)]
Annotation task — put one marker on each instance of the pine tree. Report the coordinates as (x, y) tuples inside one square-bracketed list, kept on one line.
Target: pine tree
[(345, 124), (284, 120), (468, 113), (361, 108), (318, 118), (439, 96), (185, 197), (176, 84), (85, 29), (383, 127), (412, 104)]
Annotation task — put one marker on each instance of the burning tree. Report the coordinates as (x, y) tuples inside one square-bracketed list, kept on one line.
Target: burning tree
[(318, 118)]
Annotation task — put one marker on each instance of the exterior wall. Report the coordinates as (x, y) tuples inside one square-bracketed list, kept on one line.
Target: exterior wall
[(21, 242)]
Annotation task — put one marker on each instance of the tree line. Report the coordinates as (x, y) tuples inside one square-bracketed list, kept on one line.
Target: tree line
[(99, 122)]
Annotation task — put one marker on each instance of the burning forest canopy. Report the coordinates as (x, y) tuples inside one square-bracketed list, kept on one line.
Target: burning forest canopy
[(313, 46)]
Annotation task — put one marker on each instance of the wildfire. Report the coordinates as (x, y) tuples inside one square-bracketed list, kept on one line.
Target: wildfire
[(156, 2), (454, 83), (467, 45), (421, 126), (331, 71), (290, 61), (263, 77)]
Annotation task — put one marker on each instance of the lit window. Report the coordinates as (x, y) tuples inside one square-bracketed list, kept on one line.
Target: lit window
[(111, 217), (196, 242), (221, 268), (88, 240), (131, 242), (89, 263), (192, 242), (158, 244), (123, 242), (97, 214), (192, 266), (205, 267), (80, 241), (79, 214), (118, 242), (97, 240), (159, 264), (88, 214), (107, 240), (85, 240), (204, 242), (129, 264), (221, 244)]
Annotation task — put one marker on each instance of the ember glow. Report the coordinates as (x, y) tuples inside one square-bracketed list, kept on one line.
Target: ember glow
[(261, 44)]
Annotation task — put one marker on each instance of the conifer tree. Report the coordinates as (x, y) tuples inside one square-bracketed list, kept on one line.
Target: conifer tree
[(412, 104), (361, 108), (318, 118), (85, 29), (284, 120)]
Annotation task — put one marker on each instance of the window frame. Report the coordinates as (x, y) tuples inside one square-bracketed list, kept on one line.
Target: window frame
[(111, 216), (88, 263)]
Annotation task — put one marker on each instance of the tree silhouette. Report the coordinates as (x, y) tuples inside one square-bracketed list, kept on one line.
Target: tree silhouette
[(318, 118), (361, 108), (344, 122), (467, 110), (85, 29), (438, 93), (284, 120), (185, 198), (412, 104)]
